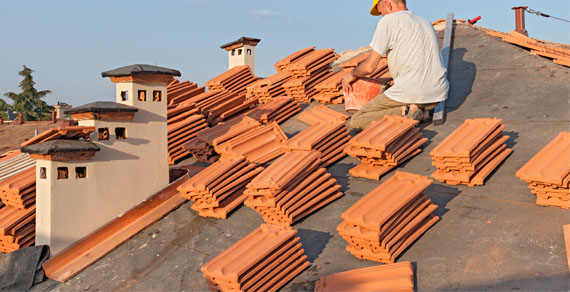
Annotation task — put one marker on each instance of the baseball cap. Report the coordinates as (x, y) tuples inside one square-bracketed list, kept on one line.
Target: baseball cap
[(374, 11)]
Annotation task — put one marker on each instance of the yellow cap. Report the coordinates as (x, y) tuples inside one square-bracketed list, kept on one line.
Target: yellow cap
[(374, 11)]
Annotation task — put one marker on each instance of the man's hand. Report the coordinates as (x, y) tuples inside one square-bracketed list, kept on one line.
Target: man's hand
[(347, 81)]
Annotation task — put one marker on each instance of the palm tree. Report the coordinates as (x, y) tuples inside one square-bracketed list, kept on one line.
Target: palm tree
[(29, 102)]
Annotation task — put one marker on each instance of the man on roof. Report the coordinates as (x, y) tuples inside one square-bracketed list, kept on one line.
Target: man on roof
[(414, 60)]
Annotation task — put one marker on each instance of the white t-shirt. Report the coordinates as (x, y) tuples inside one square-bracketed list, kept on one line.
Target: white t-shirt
[(414, 58)]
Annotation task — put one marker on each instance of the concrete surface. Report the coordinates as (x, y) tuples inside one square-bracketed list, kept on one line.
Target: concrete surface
[(492, 237)]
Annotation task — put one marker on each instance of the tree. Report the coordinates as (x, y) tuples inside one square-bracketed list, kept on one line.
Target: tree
[(29, 102)]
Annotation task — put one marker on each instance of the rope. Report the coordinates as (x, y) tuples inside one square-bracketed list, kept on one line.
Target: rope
[(544, 14)]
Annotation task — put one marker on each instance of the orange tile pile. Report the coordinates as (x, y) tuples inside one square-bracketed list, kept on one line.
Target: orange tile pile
[(258, 145), (559, 53), (218, 189), (327, 137), (321, 113), (278, 109), (202, 146), (548, 173), (264, 260), (17, 228), (180, 133), (291, 188), (284, 63), (19, 190), (389, 277), (269, 88), (71, 132), (469, 154), (383, 145), (382, 224), (178, 92), (235, 79)]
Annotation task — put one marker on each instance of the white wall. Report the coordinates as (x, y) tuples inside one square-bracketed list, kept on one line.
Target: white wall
[(124, 173), (243, 59)]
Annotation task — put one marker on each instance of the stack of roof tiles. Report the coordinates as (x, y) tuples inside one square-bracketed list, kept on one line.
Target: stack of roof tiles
[(203, 145), (291, 188), (328, 137), (19, 190), (258, 145), (469, 154), (383, 145), (322, 113), (219, 189), (559, 53), (269, 88), (308, 71), (235, 79), (382, 224), (278, 109), (17, 228), (178, 92), (17, 207), (72, 132), (264, 260), (283, 64), (180, 133), (390, 277), (548, 173)]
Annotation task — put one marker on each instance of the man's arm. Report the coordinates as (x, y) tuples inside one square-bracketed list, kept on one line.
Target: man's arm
[(363, 70)]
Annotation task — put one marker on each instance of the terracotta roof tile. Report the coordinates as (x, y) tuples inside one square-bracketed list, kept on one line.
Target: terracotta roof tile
[(19, 190), (282, 64), (389, 277), (329, 139), (322, 113), (17, 228), (469, 154), (14, 164), (73, 132), (292, 188), (264, 260), (383, 145), (548, 173)]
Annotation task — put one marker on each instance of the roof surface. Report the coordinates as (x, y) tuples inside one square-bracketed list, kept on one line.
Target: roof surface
[(60, 145), (491, 237), (245, 40), (137, 69), (102, 107)]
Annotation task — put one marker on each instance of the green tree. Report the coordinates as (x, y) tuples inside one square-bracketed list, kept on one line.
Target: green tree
[(29, 102), (3, 108)]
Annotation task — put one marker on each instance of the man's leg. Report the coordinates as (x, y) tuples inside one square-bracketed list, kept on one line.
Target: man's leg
[(378, 107)]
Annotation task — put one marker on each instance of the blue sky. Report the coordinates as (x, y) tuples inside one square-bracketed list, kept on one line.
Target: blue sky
[(69, 43)]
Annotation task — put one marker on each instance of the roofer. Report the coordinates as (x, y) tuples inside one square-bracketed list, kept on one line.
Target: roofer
[(414, 60)]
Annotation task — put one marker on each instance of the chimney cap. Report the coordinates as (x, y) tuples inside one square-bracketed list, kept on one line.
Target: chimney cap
[(240, 42)]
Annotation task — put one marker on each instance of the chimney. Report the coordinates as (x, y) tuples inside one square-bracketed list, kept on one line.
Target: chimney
[(519, 19), (241, 52)]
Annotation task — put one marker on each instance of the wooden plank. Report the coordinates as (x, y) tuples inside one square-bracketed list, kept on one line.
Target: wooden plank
[(439, 111)]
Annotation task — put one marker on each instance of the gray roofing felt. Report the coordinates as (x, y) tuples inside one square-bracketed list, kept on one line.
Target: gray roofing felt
[(102, 107), (137, 69), (60, 145)]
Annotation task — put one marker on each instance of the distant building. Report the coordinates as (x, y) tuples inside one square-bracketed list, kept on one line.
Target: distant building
[(83, 184), (241, 52), (60, 108)]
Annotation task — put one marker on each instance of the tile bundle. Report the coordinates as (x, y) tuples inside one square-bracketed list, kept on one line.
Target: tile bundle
[(202, 147), (311, 63), (19, 190), (178, 92), (330, 90), (291, 188), (321, 113), (235, 79), (180, 133), (382, 224), (469, 154), (383, 145), (265, 90), (264, 260), (389, 277), (548, 173), (303, 88), (278, 109), (17, 228), (258, 145), (284, 63), (328, 137), (219, 189)]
